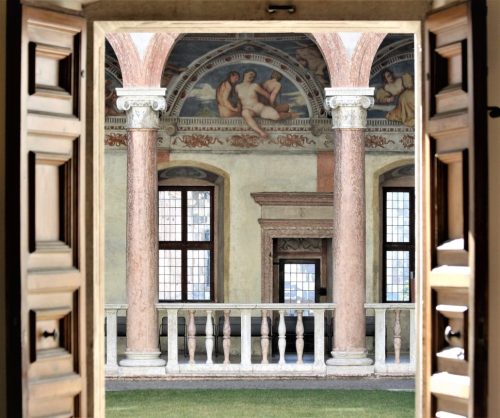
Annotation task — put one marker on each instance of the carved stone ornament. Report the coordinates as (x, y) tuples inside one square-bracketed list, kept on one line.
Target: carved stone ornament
[(142, 106), (349, 106)]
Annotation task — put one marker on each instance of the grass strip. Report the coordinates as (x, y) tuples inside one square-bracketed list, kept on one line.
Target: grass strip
[(256, 403)]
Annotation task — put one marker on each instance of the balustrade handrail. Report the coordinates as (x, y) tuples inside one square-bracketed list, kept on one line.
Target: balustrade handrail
[(240, 306), (391, 305), (246, 312), (268, 306)]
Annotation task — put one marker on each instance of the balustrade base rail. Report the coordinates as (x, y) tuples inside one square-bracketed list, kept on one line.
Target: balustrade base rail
[(257, 321)]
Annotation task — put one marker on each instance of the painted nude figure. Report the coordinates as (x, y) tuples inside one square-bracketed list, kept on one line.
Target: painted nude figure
[(227, 101), (252, 96)]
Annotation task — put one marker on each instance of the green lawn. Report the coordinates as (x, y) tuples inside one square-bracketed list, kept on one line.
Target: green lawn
[(254, 403)]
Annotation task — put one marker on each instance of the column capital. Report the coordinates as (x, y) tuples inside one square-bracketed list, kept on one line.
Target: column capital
[(349, 106), (142, 106)]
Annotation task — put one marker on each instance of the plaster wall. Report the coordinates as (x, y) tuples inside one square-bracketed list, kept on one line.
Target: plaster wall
[(253, 173), (248, 173), (375, 166), (494, 207), (115, 248), (3, 373)]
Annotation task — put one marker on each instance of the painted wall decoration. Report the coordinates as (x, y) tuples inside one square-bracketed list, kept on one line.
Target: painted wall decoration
[(249, 91), (113, 80), (392, 76), (253, 92)]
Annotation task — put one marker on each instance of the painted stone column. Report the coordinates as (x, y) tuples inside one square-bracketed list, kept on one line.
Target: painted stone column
[(142, 106), (349, 107)]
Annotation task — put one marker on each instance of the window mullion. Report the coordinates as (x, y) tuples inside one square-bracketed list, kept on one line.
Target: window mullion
[(184, 244), (212, 233)]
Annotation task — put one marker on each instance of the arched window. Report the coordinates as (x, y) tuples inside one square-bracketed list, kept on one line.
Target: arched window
[(398, 234), (190, 231)]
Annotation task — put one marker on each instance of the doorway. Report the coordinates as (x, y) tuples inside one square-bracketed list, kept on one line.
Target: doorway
[(104, 27)]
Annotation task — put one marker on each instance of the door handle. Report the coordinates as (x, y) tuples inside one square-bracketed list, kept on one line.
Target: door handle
[(47, 334)]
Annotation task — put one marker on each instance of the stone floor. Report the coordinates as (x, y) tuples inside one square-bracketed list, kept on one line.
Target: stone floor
[(395, 384)]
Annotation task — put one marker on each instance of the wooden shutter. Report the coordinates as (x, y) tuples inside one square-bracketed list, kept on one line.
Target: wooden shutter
[(46, 259), (455, 246)]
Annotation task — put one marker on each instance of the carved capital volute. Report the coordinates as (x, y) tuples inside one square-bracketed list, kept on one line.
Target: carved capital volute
[(349, 106), (142, 106)]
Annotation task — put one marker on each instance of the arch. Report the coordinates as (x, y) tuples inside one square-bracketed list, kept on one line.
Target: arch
[(363, 57), (157, 53), (137, 71), (128, 57), (393, 166), (221, 179), (336, 57), (346, 70)]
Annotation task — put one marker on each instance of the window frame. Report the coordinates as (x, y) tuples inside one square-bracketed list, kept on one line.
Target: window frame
[(398, 246), (317, 279), (184, 245)]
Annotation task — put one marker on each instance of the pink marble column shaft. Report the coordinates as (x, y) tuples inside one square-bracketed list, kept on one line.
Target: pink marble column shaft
[(142, 107), (142, 242), (349, 241), (349, 108)]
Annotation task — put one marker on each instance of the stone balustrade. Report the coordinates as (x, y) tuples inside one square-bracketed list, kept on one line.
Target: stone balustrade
[(216, 357)]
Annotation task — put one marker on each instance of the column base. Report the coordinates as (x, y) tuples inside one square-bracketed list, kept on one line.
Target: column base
[(143, 359), (349, 358)]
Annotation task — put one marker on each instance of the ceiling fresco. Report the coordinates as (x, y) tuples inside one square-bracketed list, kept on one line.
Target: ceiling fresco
[(266, 92)]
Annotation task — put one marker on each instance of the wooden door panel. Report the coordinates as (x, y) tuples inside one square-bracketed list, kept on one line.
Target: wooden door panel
[(53, 64), (52, 214), (53, 185), (455, 277)]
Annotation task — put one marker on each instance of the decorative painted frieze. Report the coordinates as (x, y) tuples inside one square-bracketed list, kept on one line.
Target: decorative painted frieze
[(196, 141), (377, 141), (215, 134)]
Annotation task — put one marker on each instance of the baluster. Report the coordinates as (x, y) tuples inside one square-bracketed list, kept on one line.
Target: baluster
[(264, 339), (226, 343), (397, 336), (173, 333), (413, 356), (282, 337), (111, 339), (246, 337), (209, 340), (319, 336), (380, 334), (191, 337), (299, 343)]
